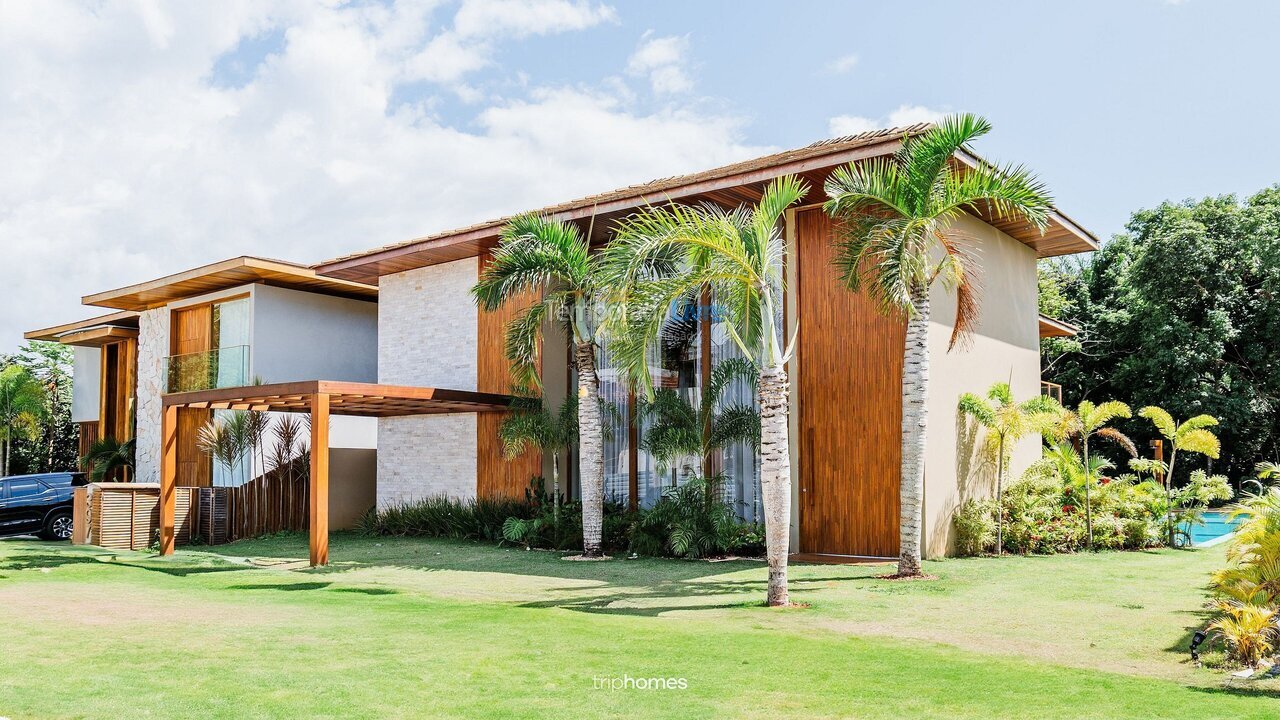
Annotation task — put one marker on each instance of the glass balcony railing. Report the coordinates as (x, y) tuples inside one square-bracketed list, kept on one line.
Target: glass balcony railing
[(220, 368)]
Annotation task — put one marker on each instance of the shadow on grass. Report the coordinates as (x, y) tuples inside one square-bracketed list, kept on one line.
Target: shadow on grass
[(282, 587)]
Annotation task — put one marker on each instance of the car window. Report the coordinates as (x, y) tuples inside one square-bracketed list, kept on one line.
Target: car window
[(25, 488)]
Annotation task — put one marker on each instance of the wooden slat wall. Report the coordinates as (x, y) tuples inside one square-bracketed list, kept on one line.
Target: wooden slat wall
[(128, 518), (271, 503), (850, 414), (495, 475), (88, 436), (195, 469)]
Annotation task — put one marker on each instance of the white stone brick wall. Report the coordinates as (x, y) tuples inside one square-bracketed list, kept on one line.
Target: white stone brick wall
[(427, 337), (153, 346)]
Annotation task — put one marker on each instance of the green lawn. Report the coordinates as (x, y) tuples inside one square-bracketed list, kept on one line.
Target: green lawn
[(422, 628)]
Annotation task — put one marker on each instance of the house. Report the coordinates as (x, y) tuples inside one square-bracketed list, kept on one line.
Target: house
[(435, 379)]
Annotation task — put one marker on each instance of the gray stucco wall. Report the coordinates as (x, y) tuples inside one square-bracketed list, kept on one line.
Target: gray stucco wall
[(427, 337), (87, 384)]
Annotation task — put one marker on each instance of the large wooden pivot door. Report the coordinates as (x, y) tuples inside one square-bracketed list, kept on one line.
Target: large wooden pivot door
[(850, 414)]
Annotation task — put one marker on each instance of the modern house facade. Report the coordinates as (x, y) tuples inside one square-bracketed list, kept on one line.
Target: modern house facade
[(427, 378)]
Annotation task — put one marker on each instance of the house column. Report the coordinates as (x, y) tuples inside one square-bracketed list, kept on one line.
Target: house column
[(319, 481), (168, 476)]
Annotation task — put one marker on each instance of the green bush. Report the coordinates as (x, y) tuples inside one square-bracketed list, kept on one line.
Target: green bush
[(975, 527), (688, 521)]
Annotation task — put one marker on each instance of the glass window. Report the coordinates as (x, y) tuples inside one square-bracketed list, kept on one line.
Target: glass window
[(739, 462), (25, 488), (231, 342)]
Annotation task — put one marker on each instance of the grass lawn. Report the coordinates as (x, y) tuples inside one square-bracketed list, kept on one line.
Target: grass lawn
[(427, 628)]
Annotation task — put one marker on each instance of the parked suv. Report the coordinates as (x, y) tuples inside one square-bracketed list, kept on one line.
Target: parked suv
[(38, 504)]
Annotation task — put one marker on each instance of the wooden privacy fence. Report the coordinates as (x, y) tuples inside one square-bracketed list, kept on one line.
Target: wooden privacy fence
[(125, 516), (271, 503)]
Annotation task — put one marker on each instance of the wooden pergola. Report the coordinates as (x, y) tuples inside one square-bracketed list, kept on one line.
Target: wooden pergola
[(320, 399)]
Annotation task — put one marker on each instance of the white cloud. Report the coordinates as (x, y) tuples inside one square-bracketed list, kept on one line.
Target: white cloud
[(662, 60), (904, 115), (842, 64), (124, 165)]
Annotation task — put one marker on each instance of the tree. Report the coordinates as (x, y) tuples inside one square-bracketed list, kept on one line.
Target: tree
[(51, 364), (537, 254), (229, 439), (663, 256), (106, 456), (680, 430), (530, 424), (1084, 423), (22, 409), (1193, 436), (896, 239), (1007, 421), (1181, 311)]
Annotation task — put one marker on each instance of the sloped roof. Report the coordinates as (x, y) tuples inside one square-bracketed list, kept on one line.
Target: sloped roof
[(1063, 237)]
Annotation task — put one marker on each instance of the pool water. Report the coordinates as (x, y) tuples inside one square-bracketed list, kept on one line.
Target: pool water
[(1215, 526)]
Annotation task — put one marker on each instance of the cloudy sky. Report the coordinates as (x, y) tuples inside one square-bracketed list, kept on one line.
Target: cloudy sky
[(141, 138)]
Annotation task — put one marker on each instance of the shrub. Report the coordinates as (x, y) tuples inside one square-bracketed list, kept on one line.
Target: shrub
[(975, 527), (1249, 631), (687, 521)]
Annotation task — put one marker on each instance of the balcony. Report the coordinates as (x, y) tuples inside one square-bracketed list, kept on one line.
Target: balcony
[(220, 368)]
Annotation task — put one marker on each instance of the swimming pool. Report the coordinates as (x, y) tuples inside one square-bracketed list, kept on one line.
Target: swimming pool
[(1215, 529)]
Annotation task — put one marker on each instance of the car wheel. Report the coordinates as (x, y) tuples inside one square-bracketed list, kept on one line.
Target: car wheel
[(58, 526)]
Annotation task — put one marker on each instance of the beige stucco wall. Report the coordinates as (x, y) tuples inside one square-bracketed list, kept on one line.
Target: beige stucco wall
[(1004, 347), (352, 485)]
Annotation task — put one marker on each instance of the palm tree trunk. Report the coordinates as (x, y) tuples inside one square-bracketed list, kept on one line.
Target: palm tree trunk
[(1000, 500), (775, 478), (1168, 493), (590, 451), (555, 486), (4, 470), (1088, 495), (915, 421)]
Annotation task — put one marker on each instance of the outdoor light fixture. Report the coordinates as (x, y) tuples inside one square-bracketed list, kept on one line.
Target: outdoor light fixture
[(1195, 645)]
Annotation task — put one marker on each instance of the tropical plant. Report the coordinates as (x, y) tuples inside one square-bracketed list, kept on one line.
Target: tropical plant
[(22, 409), (897, 237), (678, 430), (1086, 422), (529, 424), (688, 521), (1249, 631), (107, 456), (228, 439), (537, 254), (1192, 435), (1007, 421), (663, 256), (51, 364)]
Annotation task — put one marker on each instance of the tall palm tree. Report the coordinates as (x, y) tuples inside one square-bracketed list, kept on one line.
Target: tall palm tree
[(537, 254), (896, 238), (530, 424), (680, 430), (1007, 421), (22, 409), (1192, 435), (1084, 423), (663, 256)]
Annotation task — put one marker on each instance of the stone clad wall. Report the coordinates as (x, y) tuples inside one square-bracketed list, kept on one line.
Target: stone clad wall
[(427, 337), (153, 347)]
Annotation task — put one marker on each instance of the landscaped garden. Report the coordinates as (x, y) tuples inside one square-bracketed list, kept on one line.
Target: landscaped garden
[(438, 628)]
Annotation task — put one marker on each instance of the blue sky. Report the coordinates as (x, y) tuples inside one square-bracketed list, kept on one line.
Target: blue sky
[(143, 138)]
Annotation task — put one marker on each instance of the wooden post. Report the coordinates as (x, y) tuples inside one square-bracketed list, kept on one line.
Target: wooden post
[(168, 476), (319, 494)]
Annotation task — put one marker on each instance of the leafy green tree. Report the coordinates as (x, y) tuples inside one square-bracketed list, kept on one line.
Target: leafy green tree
[(897, 240), (663, 256), (22, 410), (51, 364), (1181, 311), (539, 255), (1007, 421)]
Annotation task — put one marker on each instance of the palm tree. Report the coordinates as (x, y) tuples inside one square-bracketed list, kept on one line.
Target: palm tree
[(679, 430), (106, 456), (539, 254), (228, 439), (529, 424), (1192, 435), (1007, 421), (22, 408), (897, 238), (663, 256), (1084, 423)]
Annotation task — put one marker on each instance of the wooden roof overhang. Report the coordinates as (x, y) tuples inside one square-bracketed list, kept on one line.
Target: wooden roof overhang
[(92, 332), (225, 275), (1050, 327), (730, 185), (345, 398)]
